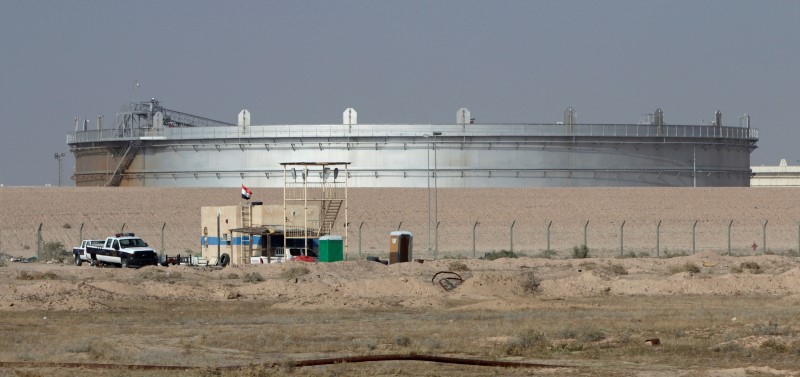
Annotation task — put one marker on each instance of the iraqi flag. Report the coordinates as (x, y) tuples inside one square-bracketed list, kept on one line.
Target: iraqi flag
[(246, 193)]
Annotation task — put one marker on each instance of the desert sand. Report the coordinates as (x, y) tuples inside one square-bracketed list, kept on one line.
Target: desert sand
[(714, 314)]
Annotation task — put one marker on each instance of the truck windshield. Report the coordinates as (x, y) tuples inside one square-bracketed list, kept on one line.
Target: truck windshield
[(132, 242)]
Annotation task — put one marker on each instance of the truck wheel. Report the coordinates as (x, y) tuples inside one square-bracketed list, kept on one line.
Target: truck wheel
[(225, 259), (78, 261)]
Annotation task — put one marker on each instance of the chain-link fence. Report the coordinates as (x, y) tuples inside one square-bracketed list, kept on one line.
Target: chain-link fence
[(466, 238), (48, 241), (626, 238)]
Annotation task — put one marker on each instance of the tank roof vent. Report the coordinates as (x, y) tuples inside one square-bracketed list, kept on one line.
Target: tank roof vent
[(463, 117), (349, 117), (244, 118)]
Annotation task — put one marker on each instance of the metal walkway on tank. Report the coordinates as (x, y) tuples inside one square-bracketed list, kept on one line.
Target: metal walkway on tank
[(137, 115)]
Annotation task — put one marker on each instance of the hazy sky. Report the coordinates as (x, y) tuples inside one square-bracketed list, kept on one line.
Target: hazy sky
[(304, 62)]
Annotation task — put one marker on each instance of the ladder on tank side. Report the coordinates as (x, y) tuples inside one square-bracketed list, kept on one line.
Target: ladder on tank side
[(124, 163)]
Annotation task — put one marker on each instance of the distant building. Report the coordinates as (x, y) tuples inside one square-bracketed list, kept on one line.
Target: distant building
[(782, 175)]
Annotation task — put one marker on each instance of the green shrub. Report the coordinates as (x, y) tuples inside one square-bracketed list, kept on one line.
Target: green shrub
[(580, 252)]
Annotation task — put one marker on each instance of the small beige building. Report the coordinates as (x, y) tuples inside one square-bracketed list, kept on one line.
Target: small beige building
[(253, 230)]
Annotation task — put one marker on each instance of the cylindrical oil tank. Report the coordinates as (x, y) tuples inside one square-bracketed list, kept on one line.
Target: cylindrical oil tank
[(413, 155)]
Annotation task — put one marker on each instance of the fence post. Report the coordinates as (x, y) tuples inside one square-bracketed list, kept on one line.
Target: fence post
[(39, 243), (162, 238), (436, 245), (511, 233), (730, 224), (764, 231), (548, 235), (474, 253), (658, 239), (359, 239), (621, 238), (585, 231)]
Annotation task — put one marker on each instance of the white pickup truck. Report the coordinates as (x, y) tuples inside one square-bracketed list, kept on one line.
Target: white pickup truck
[(123, 250), (80, 251)]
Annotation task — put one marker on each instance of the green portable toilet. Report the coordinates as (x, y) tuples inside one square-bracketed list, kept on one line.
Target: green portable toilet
[(331, 249)]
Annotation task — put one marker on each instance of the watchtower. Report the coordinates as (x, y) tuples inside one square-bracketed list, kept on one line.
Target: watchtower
[(305, 183)]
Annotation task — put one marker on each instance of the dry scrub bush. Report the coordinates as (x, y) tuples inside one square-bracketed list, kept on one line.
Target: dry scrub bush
[(547, 254), (530, 283), (254, 277), (769, 328), (55, 251), (667, 254), (402, 340), (580, 252), (499, 254), (616, 269), (458, 266), (160, 275), (751, 267), (35, 275), (774, 345), (528, 340), (295, 272), (686, 267)]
